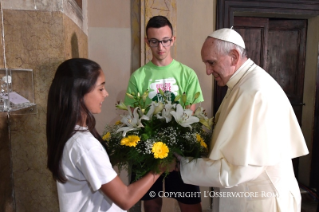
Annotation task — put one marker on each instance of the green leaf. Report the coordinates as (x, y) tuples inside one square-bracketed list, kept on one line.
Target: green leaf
[(144, 137)]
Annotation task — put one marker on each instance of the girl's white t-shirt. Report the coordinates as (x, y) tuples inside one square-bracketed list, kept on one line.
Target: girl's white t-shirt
[(87, 167)]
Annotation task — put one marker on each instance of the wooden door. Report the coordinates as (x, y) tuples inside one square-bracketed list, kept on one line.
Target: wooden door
[(278, 45), (286, 58), (255, 34)]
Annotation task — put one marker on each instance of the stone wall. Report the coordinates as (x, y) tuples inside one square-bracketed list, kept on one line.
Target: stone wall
[(38, 40)]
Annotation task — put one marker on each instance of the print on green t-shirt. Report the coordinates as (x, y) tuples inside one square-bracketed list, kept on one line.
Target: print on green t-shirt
[(167, 85), (170, 96)]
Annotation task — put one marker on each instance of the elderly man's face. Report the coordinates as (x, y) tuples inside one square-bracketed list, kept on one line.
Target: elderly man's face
[(217, 63)]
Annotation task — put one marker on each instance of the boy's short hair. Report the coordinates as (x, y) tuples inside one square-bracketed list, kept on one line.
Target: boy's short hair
[(158, 22)]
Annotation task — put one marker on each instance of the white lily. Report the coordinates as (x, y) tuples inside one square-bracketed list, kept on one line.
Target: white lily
[(121, 106), (159, 107), (166, 112), (184, 117), (155, 108), (200, 113), (132, 121), (151, 110)]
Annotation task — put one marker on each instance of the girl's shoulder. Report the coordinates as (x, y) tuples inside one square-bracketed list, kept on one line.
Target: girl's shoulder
[(84, 141)]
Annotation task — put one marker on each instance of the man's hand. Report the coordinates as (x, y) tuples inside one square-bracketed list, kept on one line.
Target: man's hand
[(170, 167)]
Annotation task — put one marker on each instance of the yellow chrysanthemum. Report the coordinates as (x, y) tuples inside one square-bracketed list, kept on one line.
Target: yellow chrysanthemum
[(107, 136), (130, 140), (160, 150), (203, 144), (201, 140)]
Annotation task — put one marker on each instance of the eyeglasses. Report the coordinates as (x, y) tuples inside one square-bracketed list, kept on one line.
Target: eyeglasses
[(154, 42)]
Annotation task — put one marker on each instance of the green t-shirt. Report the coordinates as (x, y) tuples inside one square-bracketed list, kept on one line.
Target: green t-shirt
[(174, 79)]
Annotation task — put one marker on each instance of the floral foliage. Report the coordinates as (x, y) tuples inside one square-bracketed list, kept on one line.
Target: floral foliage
[(148, 135)]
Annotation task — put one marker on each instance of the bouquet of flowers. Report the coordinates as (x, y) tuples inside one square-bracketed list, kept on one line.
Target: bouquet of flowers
[(148, 135)]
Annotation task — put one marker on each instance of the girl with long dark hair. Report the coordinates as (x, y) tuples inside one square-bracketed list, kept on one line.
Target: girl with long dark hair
[(77, 159)]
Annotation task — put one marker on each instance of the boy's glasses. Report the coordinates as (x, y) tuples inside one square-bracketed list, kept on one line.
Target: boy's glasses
[(154, 42)]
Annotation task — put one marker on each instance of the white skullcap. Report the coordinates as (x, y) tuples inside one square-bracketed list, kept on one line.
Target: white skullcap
[(229, 35)]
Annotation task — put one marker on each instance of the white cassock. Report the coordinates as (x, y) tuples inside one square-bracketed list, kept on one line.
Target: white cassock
[(255, 137)]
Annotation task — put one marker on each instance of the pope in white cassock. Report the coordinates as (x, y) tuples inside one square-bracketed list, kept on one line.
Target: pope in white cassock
[(256, 134)]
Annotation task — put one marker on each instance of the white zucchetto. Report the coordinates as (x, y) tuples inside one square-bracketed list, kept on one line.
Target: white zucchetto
[(228, 35)]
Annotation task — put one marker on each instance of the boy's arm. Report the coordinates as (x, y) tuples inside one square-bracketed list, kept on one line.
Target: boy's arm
[(192, 107)]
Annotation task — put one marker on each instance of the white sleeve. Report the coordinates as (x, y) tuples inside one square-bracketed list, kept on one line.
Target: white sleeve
[(216, 173), (96, 167)]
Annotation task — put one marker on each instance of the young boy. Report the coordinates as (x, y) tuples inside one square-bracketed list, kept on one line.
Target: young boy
[(174, 79)]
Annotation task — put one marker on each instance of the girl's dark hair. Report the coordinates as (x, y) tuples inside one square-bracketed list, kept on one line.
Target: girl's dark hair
[(73, 79), (158, 22)]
